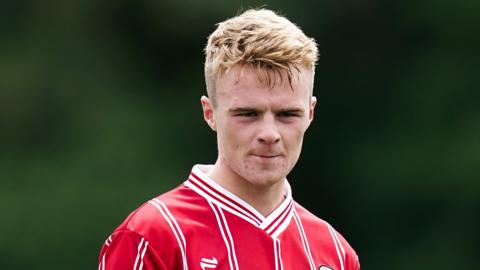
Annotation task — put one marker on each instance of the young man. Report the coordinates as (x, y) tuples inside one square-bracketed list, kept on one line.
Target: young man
[(239, 212)]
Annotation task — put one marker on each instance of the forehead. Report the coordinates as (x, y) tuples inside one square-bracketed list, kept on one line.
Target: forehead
[(248, 85)]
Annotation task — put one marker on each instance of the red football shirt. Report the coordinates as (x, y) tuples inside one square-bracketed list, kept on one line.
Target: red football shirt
[(200, 225)]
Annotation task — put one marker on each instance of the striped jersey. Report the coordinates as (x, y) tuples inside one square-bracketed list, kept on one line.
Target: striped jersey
[(201, 226)]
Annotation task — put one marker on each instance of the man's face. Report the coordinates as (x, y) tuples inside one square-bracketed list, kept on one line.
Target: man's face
[(259, 128)]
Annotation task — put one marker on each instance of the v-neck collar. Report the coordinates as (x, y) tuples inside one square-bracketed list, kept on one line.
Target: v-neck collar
[(273, 224)]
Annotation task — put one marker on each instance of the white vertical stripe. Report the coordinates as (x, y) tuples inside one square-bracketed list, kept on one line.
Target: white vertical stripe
[(232, 244), (138, 253), (103, 261), (101, 265), (280, 254), (275, 254), (173, 219), (303, 236), (336, 246), (339, 243), (143, 254), (178, 234), (229, 252)]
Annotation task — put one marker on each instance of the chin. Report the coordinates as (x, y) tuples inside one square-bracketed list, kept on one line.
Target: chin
[(265, 178), (258, 173)]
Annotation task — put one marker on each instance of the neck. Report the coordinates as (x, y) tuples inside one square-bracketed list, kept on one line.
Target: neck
[(264, 198)]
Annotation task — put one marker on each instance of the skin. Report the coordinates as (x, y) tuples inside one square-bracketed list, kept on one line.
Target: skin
[(260, 132)]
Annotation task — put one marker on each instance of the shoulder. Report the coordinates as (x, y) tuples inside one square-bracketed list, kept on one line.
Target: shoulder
[(324, 236), (159, 224), (159, 217)]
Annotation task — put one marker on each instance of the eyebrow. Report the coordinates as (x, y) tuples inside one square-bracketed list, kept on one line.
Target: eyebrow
[(253, 109), (292, 109), (243, 109)]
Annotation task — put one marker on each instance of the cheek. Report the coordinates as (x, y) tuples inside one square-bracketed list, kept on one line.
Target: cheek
[(240, 136), (293, 143), (233, 139), (294, 135)]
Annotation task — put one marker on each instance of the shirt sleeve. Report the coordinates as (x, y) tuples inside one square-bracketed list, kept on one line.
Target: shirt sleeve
[(353, 262), (128, 250), (351, 258)]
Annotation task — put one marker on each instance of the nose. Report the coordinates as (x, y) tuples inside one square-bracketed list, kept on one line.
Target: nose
[(269, 133)]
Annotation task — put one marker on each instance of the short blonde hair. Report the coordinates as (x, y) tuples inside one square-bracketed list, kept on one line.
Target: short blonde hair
[(260, 39)]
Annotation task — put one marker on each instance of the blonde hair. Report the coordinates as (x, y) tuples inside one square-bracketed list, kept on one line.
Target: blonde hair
[(260, 39)]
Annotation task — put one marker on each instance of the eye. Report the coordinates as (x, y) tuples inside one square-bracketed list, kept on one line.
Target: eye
[(288, 114), (247, 114)]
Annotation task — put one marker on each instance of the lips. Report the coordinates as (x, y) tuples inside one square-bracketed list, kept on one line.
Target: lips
[(266, 155)]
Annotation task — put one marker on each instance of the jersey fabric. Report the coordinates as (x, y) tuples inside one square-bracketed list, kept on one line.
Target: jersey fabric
[(199, 226)]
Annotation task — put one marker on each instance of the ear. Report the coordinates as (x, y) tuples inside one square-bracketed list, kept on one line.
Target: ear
[(313, 102), (208, 114)]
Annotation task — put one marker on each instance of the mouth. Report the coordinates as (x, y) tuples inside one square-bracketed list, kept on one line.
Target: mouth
[(267, 156)]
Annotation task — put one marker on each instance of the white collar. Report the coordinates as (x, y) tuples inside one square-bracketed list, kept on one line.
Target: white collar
[(206, 187)]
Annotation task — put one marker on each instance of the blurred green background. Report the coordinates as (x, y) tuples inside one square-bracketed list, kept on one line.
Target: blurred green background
[(100, 111)]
